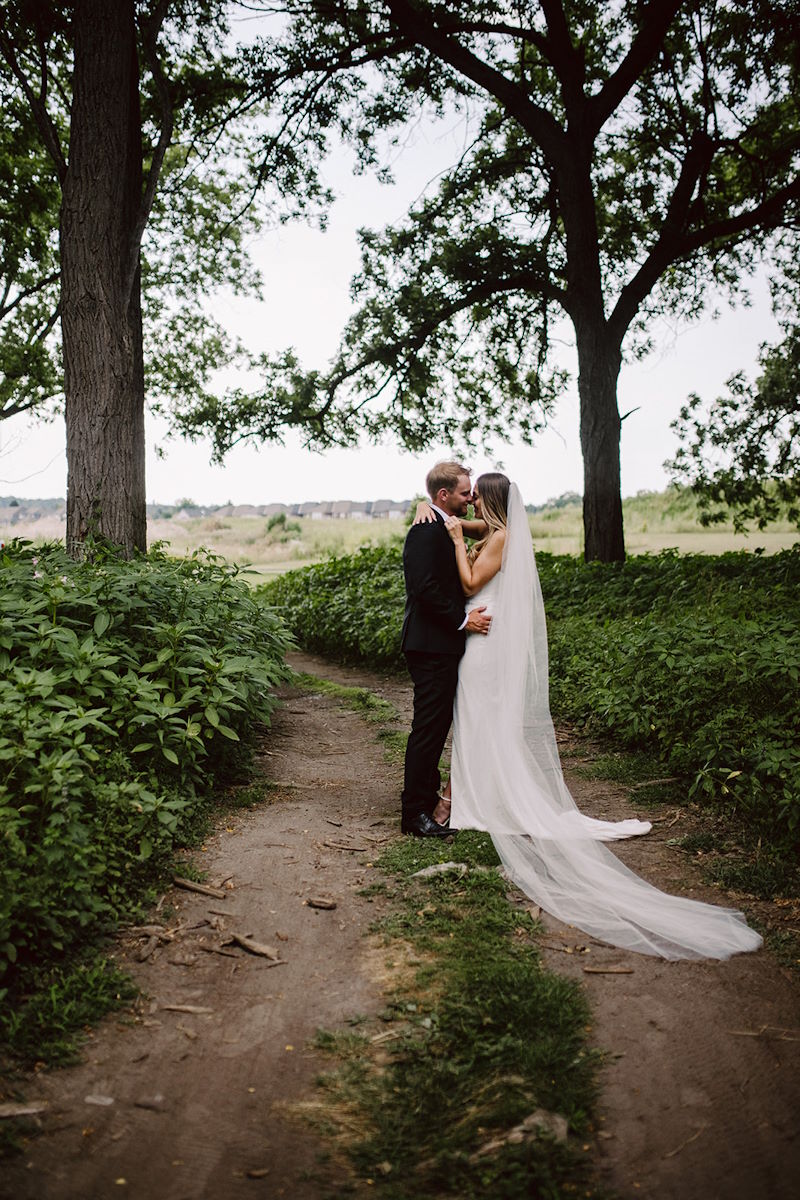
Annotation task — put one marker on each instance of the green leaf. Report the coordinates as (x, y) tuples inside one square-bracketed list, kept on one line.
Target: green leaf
[(101, 623), (170, 755), (227, 732)]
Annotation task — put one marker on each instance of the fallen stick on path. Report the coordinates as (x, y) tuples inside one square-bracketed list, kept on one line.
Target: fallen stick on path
[(8, 1111), (147, 949), (576, 949), (689, 1140), (202, 888), (652, 782), (217, 950), (259, 948), (608, 970), (768, 1031), (186, 1008), (344, 846)]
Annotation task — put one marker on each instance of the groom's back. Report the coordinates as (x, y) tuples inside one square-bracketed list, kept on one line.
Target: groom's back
[(434, 599)]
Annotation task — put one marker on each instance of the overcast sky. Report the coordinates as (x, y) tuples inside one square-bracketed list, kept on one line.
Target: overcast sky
[(306, 300)]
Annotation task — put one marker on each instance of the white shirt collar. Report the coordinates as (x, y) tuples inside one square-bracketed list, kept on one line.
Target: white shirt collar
[(440, 511)]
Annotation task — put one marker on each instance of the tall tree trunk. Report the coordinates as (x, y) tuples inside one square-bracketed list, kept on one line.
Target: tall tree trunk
[(598, 372), (100, 313)]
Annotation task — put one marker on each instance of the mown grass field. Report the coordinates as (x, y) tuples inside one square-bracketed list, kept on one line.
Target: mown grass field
[(653, 522)]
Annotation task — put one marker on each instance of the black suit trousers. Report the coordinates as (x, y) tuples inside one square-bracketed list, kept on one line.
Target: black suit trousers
[(435, 677)]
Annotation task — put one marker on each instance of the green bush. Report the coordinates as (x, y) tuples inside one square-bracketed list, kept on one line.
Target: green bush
[(694, 658), (127, 690), (348, 608)]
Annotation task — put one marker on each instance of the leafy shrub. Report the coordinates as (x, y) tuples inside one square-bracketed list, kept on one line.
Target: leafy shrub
[(694, 658), (127, 689), (349, 608)]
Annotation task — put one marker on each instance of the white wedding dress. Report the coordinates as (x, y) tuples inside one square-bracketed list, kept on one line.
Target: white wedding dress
[(507, 780)]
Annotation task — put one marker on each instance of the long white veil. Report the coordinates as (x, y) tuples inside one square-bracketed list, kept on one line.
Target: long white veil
[(511, 766)]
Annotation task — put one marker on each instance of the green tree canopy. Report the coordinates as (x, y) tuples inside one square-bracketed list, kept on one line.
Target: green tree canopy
[(619, 161), (741, 453), (203, 212)]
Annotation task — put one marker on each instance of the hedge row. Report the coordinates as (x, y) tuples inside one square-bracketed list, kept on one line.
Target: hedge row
[(127, 690)]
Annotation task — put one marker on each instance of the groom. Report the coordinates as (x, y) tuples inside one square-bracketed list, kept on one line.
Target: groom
[(434, 630)]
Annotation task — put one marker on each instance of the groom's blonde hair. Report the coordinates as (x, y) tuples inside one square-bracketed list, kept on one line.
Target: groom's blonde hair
[(444, 475)]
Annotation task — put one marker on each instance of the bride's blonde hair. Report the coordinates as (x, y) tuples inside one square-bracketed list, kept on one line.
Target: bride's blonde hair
[(493, 490)]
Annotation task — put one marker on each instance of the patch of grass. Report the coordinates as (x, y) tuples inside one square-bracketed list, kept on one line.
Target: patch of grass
[(394, 744), (475, 1037), (48, 1025), (620, 767), (409, 854), (701, 840), (766, 877), (784, 944), (359, 699), (374, 889), (249, 795), (189, 869), (637, 770)]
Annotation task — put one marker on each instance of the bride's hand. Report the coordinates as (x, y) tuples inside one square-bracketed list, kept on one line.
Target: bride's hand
[(454, 528), (424, 514)]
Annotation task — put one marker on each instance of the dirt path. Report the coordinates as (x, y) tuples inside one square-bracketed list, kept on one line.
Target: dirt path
[(184, 1105)]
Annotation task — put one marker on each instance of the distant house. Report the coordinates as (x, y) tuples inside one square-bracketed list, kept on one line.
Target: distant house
[(393, 510), (360, 508), (340, 509), (274, 510), (306, 509), (321, 511), (245, 510), (187, 513)]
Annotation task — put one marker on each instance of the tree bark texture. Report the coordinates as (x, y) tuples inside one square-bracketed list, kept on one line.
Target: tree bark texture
[(100, 316), (598, 372)]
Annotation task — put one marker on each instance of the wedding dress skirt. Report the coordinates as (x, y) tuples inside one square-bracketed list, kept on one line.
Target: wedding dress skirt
[(507, 780)]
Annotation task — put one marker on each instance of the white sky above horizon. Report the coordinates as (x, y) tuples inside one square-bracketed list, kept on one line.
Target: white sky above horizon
[(305, 303)]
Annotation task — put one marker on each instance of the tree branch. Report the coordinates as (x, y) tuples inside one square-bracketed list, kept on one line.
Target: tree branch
[(523, 281), (150, 28), (655, 21), (536, 120), (452, 26), (766, 215), (666, 247), (47, 129), (5, 309), (568, 63)]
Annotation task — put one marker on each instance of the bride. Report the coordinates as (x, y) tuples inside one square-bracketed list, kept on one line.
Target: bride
[(506, 774)]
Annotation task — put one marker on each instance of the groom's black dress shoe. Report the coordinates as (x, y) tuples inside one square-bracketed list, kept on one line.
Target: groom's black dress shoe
[(424, 826)]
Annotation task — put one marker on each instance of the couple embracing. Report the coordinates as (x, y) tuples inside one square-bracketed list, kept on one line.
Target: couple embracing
[(475, 641)]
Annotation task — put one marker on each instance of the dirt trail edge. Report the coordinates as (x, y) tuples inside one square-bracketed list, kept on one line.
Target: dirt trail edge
[(191, 1097)]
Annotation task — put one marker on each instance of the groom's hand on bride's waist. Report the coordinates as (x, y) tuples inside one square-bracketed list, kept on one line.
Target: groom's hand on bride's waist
[(478, 620)]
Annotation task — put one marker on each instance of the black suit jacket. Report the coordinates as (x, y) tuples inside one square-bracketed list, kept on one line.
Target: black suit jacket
[(434, 599)]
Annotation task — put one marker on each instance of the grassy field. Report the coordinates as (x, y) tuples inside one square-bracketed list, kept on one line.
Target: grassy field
[(653, 521)]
